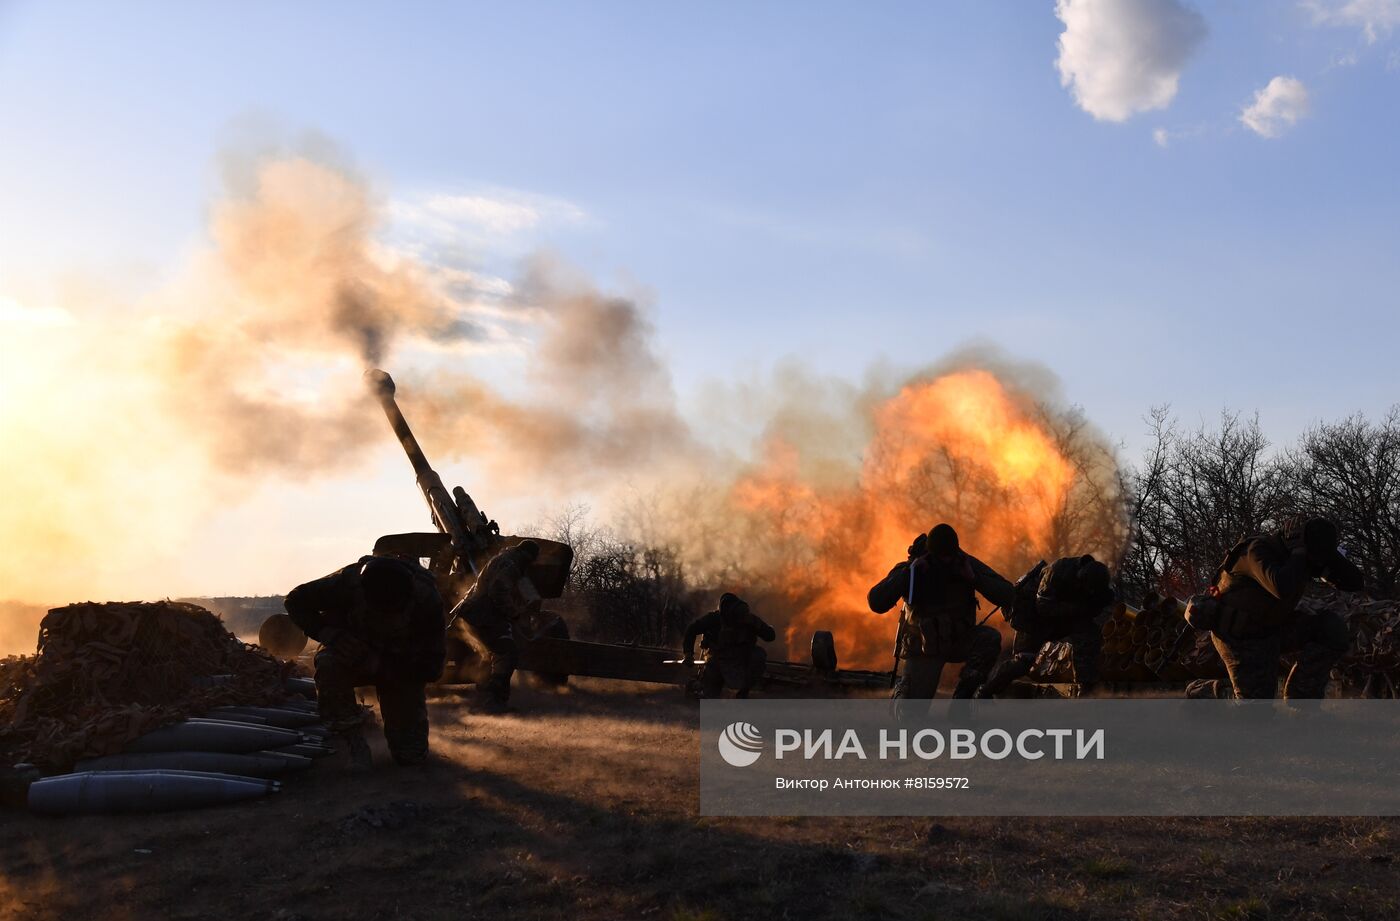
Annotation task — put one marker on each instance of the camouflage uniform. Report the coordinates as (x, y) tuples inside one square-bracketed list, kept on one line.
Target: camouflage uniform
[(1063, 601), (488, 613), (1258, 587), (731, 636), (944, 628), (398, 656)]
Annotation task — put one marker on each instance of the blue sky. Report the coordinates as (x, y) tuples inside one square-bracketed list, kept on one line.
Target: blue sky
[(849, 184)]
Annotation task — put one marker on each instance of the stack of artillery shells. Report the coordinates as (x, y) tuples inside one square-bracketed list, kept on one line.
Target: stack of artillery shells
[(1155, 643), (1139, 645), (1125, 650), (1371, 667), (1173, 650), (224, 757)]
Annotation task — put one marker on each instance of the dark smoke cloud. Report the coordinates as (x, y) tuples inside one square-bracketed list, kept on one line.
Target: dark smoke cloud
[(596, 401), (300, 269), (140, 420)]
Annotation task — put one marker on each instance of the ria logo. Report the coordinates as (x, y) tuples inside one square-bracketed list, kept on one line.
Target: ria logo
[(741, 744)]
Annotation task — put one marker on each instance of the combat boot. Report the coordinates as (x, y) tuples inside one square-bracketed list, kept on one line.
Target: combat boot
[(490, 703), (1205, 689)]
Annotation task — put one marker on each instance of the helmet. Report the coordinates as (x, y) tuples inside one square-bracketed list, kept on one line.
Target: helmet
[(732, 607), (942, 540), (1317, 536), (387, 585), (1320, 537), (1094, 580)]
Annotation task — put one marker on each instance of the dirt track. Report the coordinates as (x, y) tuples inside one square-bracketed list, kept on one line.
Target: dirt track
[(584, 805)]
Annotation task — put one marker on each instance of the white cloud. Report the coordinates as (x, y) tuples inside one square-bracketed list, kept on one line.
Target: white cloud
[(501, 215), (1161, 136), (459, 243), (1276, 108), (488, 213), (484, 216), (1376, 18), (1119, 57)]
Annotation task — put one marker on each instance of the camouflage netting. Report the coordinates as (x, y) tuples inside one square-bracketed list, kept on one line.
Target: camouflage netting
[(107, 673), (1142, 646), (1372, 667)]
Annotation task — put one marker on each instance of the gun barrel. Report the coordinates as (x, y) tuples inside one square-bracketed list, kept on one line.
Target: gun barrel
[(441, 506), (382, 386)]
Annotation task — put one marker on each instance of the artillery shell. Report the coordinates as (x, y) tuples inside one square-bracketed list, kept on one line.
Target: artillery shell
[(305, 687), (255, 764), (213, 736), (306, 749), (273, 716), (97, 792)]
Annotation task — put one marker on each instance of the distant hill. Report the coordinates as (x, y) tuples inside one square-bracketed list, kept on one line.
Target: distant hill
[(243, 615)]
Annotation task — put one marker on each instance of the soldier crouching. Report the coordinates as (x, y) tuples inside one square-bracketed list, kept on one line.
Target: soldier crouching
[(1252, 613), (1063, 601), (730, 635), (380, 622)]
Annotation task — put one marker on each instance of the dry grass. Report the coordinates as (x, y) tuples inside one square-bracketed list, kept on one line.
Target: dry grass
[(584, 805)]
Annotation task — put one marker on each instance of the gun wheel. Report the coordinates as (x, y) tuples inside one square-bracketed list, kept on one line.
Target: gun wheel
[(279, 636)]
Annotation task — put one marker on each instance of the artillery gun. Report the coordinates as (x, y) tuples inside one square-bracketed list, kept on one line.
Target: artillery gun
[(465, 540)]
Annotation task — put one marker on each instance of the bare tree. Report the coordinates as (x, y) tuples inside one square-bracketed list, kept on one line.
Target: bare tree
[(1350, 471), (1197, 495), (1089, 517), (619, 591), (1141, 559)]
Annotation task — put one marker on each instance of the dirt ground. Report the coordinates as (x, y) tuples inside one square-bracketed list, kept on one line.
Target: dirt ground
[(585, 805)]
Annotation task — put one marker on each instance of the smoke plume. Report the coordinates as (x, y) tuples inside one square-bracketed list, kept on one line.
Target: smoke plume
[(124, 426), (977, 441)]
